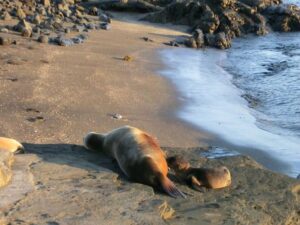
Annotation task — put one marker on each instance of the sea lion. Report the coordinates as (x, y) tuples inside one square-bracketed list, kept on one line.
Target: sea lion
[(138, 155), (11, 145), (214, 178)]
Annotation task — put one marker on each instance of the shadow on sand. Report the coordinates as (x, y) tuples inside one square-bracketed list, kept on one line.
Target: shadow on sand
[(73, 155)]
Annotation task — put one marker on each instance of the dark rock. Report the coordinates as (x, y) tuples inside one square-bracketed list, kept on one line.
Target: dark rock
[(199, 38), (67, 30), (5, 41), (104, 18), (284, 18), (61, 41), (78, 28), (93, 11), (227, 19), (105, 26), (260, 4), (218, 40), (83, 36), (43, 39), (24, 27), (191, 42), (140, 6), (36, 30), (173, 44), (77, 40), (116, 116), (147, 39), (91, 26)]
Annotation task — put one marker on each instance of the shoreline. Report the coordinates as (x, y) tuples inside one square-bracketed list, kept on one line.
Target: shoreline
[(263, 157)]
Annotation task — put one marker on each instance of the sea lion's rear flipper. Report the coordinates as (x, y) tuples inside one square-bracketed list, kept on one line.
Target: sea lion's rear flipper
[(169, 187), (20, 150), (196, 184)]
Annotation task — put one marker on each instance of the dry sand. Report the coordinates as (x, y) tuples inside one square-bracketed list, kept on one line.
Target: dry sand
[(76, 88)]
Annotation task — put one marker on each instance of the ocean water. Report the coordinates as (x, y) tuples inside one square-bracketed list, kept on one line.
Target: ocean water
[(248, 95)]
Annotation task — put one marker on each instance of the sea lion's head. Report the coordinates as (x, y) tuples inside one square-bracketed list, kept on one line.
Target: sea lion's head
[(227, 175), (178, 163), (219, 177), (93, 141)]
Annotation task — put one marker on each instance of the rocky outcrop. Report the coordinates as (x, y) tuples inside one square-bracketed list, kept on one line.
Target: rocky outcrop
[(6, 160), (45, 18), (73, 185), (283, 18), (140, 6), (222, 20)]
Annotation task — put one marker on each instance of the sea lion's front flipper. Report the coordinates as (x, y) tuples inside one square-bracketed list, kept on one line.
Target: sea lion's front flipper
[(196, 184)]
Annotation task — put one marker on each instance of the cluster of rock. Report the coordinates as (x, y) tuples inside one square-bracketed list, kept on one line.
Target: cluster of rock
[(216, 22), (39, 19)]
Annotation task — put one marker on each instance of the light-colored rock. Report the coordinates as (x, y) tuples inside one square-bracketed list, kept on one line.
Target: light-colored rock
[(21, 182), (6, 16), (43, 39), (46, 3), (67, 184), (21, 14), (5, 41), (24, 27), (6, 160), (37, 19), (4, 30)]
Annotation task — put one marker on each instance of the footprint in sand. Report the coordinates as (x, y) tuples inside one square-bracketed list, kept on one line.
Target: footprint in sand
[(12, 79), (16, 61), (32, 110), (34, 118)]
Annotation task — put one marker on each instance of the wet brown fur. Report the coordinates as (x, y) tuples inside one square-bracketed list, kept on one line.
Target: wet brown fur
[(138, 154), (214, 178)]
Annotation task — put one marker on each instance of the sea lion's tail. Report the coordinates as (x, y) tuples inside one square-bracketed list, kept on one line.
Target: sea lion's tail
[(20, 150), (169, 187)]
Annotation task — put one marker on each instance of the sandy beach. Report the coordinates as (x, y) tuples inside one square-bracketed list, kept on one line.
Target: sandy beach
[(75, 89), (52, 96)]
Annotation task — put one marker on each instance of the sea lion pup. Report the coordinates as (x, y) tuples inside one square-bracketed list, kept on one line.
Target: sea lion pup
[(138, 155), (200, 177), (11, 145)]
